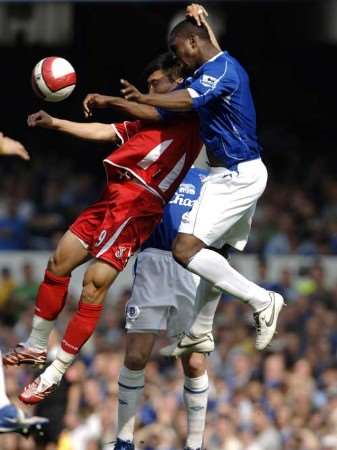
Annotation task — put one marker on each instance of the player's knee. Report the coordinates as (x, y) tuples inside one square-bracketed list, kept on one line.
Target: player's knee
[(57, 266), (185, 247), (194, 365), (135, 359)]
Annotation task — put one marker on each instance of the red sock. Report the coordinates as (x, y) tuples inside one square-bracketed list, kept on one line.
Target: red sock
[(81, 327), (51, 296)]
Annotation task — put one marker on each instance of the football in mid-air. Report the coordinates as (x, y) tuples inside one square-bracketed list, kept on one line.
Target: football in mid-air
[(53, 79)]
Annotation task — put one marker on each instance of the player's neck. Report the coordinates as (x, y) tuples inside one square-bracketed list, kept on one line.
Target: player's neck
[(207, 53)]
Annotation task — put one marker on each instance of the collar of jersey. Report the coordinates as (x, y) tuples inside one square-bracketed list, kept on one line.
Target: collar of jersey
[(210, 60)]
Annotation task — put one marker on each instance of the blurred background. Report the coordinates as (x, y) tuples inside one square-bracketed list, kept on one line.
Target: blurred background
[(283, 399)]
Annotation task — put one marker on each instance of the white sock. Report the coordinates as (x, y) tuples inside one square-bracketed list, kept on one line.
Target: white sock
[(131, 387), (4, 400), (195, 398), (41, 329), (206, 303), (216, 269), (56, 370)]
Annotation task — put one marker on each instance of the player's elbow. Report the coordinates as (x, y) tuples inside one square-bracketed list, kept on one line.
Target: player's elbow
[(103, 133)]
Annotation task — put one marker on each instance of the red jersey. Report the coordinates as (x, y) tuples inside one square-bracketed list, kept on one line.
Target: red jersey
[(158, 154)]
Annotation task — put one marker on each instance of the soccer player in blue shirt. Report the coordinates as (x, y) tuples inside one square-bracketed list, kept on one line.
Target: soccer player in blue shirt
[(219, 92), (162, 299)]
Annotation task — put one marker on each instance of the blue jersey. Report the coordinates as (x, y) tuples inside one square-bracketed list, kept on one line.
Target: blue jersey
[(221, 96), (182, 201)]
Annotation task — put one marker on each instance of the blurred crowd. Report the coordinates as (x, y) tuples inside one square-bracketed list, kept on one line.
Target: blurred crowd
[(283, 399), (37, 205)]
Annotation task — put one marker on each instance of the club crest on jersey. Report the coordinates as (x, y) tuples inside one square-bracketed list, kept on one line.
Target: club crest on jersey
[(186, 188), (208, 81), (119, 253), (132, 312)]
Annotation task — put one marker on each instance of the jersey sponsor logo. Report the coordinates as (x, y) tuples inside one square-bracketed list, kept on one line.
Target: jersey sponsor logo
[(187, 188), (101, 238), (181, 200), (208, 81), (132, 312)]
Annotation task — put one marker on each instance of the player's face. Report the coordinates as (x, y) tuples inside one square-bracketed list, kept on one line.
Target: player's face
[(159, 83), (186, 50)]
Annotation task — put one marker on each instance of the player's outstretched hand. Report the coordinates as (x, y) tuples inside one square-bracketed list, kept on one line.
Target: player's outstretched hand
[(130, 92), (198, 13), (9, 146), (40, 119), (93, 101)]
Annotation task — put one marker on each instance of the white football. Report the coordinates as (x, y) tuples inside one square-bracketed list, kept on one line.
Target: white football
[(53, 79)]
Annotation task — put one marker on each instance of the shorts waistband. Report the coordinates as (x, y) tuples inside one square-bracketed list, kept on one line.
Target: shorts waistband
[(156, 251), (240, 167)]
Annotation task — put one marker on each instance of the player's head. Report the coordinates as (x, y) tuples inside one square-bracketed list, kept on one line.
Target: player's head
[(164, 73), (187, 40)]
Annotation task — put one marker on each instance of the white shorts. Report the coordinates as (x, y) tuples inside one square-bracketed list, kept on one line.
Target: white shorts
[(224, 211), (163, 294)]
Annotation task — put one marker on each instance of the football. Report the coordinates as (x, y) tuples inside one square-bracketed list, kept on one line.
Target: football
[(53, 79)]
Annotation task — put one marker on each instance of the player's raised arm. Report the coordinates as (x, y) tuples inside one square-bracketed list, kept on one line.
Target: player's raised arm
[(136, 110), (177, 101), (100, 132), (9, 146), (199, 14)]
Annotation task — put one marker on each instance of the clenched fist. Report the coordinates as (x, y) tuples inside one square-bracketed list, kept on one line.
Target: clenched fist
[(40, 119)]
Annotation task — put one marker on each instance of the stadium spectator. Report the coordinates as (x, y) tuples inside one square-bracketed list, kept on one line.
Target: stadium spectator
[(7, 287)]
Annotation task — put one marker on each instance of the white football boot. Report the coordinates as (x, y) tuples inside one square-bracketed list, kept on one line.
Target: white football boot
[(266, 320), (187, 343)]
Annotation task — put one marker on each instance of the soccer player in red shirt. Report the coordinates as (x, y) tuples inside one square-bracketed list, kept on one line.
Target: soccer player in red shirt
[(142, 175)]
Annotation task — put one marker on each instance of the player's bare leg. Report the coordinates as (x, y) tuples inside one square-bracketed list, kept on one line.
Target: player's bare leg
[(69, 254), (210, 265), (131, 385), (195, 398), (96, 283)]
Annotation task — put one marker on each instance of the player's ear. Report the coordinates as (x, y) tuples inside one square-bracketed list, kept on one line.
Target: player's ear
[(179, 80), (192, 41)]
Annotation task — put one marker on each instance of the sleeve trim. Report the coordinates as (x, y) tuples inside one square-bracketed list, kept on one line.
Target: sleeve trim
[(120, 137), (193, 93)]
